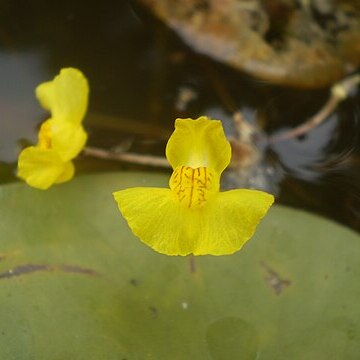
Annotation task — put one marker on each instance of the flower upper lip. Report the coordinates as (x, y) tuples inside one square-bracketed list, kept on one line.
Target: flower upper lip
[(62, 137)]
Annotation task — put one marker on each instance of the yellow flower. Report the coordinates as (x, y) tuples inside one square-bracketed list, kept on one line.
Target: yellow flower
[(62, 137), (193, 216)]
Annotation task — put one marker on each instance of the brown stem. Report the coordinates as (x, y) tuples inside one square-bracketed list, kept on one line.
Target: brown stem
[(310, 124), (148, 160), (339, 92), (192, 264)]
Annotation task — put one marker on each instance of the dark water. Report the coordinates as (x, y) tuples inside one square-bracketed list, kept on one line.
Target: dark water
[(137, 69)]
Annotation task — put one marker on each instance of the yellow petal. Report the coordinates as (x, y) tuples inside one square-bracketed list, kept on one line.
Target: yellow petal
[(45, 141), (219, 228), (66, 138), (66, 96), (199, 143), (67, 174), (40, 168), (230, 221), (156, 218)]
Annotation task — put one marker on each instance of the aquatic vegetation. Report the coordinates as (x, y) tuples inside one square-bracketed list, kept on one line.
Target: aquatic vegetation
[(193, 216), (75, 283), (62, 137)]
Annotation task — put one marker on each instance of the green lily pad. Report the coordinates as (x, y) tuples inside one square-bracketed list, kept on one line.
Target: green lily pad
[(76, 284)]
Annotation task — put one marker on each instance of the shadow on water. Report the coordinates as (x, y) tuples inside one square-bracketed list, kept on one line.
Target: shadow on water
[(138, 71)]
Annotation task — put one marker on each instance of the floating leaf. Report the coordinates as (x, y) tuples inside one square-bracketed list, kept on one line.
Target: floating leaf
[(76, 284)]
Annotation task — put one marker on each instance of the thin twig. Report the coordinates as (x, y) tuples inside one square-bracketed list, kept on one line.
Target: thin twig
[(339, 92), (310, 124), (192, 264), (133, 158)]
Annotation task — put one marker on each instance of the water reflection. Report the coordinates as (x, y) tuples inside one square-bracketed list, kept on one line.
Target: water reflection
[(298, 156), (137, 69), (19, 111)]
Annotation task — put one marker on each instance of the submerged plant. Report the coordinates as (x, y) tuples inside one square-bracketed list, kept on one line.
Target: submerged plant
[(193, 216), (62, 137)]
